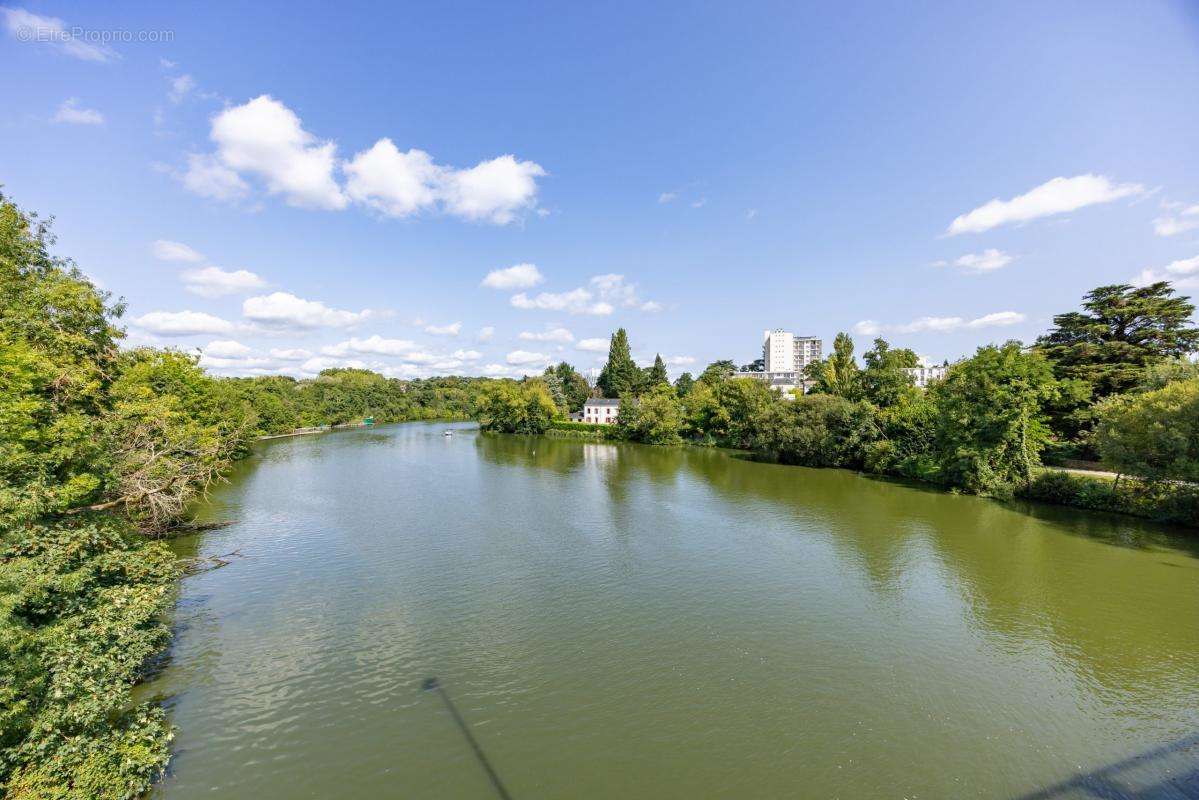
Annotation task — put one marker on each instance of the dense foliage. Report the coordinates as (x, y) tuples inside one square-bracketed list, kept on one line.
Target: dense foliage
[(512, 407), (101, 450), (1154, 435)]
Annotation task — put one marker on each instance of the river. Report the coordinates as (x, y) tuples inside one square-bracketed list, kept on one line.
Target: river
[(623, 621)]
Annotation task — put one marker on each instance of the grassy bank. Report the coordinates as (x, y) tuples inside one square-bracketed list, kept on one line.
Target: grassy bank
[(1162, 501)]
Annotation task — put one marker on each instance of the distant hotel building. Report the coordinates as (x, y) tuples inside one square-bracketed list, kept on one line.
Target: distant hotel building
[(785, 357)]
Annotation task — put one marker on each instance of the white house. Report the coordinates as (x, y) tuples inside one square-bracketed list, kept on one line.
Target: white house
[(926, 373), (600, 410)]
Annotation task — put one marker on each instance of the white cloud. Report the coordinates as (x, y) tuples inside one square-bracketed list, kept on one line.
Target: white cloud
[(181, 85), (27, 27), (493, 191), (986, 261), (393, 183), (290, 353), (551, 335), (226, 348), (453, 329), (519, 276), (1183, 266), (1056, 196), (592, 345), (524, 357), (602, 295), (182, 323), (700, 203), (468, 355), (265, 138), (70, 113), (216, 282), (284, 310), (667, 197), (373, 345), (166, 250), (485, 333), (870, 327), (679, 361), (1148, 276), (651, 306), (401, 184), (998, 319), (208, 177), (577, 301), (1186, 219)]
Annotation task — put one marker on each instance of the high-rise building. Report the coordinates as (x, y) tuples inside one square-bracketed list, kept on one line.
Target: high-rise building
[(783, 351)]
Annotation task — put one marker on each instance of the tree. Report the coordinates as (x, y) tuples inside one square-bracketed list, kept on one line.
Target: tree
[(757, 365), (1122, 330), (991, 422), (1153, 435), (1163, 373), (619, 375), (573, 386), (655, 418), (510, 407), (656, 375), (885, 381), (816, 430), (718, 371), (838, 374), (684, 384)]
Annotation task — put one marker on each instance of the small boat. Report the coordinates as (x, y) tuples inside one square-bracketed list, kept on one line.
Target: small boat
[(448, 433)]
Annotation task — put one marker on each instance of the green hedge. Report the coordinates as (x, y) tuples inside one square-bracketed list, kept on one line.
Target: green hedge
[(1165, 502), (583, 430)]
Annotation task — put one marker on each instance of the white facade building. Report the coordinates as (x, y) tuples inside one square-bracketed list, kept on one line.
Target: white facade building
[(926, 373), (783, 351), (600, 411)]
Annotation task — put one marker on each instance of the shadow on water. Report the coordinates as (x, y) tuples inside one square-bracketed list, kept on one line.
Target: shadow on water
[(1169, 772)]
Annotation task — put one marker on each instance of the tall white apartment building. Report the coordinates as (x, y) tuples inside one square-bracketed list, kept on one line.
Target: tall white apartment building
[(783, 351)]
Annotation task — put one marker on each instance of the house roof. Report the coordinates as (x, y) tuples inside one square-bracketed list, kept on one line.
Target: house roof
[(602, 401)]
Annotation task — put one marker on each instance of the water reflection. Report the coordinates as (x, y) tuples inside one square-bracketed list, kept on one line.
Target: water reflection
[(618, 620)]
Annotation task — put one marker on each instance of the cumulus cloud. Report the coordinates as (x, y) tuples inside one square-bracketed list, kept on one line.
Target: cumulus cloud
[(1057, 196), (485, 333), (592, 345), (986, 261), (166, 250), (182, 323), (226, 348), (551, 335), (519, 276), (265, 138), (216, 282), (1183, 266), (493, 191), (70, 113), (453, 329), (602, 295), (25, 26), (373, 345), (1183, 274), (393, 183), (678, 361), (668, 197), (524, 357), (467, 355), (1184, 219), (939, 324), (286, 311)]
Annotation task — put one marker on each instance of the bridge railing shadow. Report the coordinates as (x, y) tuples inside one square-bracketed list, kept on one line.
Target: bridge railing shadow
[(1169, 772)]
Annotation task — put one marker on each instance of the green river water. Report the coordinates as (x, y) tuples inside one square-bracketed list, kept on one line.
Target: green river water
[(621, 621)]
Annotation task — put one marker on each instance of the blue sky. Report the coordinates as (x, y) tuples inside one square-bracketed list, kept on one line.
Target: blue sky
[(343, 180)]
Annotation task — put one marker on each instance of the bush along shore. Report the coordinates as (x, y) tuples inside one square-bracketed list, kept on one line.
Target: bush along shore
[(1115, 382), (101, 451)]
